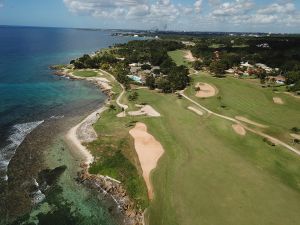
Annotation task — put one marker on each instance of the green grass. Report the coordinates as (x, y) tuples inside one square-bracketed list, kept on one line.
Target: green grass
[(210, 175), (85, 73), (247, 98), (178, 58), (116, 157)]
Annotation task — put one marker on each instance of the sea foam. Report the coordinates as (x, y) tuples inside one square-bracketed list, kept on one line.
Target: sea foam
[(17, 135)]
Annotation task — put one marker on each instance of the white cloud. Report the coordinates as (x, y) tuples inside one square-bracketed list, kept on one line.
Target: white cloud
[(217, 13), (198, 6), (237, 7), (277, 8)]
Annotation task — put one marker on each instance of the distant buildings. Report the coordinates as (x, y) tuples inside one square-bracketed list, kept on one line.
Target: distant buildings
[(188, 43), (264, 45), (277, 79)]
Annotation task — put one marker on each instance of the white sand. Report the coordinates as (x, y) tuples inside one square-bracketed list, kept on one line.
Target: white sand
[(197, 111), (189, 56), (206, 90), (297, 136), (121, 114), (83, 133), (146, 110), (243, 119), (278, 100), (149, 151), (239, 129)]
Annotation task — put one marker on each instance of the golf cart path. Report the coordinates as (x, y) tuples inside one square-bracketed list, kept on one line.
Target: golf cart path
[(122, 93), (275, 140)]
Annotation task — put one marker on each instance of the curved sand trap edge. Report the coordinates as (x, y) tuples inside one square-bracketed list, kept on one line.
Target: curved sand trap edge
[(206, 90), (149, 151), (239, 129), (145, 110), (121, 114), (243, 119), (197, 111), (278, 100), (297, 136)]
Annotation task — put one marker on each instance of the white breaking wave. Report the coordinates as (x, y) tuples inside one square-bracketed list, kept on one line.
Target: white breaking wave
[(57, 117), (18, 134)]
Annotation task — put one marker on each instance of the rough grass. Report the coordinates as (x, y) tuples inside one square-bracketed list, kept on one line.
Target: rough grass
[(178, 58), (85, 73), (210, 175), (238, 97)]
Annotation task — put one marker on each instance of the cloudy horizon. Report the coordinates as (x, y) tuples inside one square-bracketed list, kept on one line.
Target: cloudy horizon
[(279, 16)]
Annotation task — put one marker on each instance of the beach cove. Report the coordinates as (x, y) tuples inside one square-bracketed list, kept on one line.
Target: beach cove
[(56, 104)]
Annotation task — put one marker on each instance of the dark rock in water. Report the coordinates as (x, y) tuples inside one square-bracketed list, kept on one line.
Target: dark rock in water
[(50, 177)]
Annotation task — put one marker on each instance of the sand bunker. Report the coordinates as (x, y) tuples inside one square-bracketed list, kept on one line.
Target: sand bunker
[(121, 114), (149, 150), (243, 119), (206, 90), (197, 111), (296, 136), (239, 129), (146, 110), (189, 56), (278, 100)]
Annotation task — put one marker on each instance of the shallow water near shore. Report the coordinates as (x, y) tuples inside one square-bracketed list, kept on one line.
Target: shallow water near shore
[(36, 110)]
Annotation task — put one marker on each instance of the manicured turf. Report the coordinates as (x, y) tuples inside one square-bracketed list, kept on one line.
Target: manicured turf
[(85, 73), (210, 175), (178, 58), (239, 97)]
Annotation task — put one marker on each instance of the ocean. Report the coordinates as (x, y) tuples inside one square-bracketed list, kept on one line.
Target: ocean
[(36, 109)]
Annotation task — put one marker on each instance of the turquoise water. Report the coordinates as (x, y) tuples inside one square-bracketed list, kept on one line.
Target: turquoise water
[(36, 109), (135, 78)]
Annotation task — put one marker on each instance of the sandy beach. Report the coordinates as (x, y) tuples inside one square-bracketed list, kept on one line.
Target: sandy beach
[(84, 133)]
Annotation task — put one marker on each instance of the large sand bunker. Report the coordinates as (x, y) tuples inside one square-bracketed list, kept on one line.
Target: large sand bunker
[(195, 110), (206, 90), (146, 110), (296, 136), (239, 129), (149, 150), (243, 119), (278, 100), (189, 56)]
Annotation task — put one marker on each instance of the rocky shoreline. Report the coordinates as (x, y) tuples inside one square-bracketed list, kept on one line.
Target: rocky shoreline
[(115, 190), (103, 184)]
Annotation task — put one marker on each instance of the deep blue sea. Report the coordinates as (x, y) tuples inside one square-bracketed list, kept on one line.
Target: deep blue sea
[(29, 92)]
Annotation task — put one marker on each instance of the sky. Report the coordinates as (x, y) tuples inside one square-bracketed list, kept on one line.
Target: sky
[(277, 16)]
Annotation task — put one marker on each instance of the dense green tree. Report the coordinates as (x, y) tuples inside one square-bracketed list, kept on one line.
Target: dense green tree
[(292, 77), (163, 84), (150, 82), (198, 65), (146, 67), (218, 68)]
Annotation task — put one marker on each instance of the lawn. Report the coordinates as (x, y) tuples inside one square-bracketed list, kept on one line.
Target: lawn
[(210, 175), (178, 58), (116, 157), (85, 73), (239, 97)]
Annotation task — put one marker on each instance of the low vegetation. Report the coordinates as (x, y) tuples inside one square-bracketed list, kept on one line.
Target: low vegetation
[(115, 155), (85, 73)]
